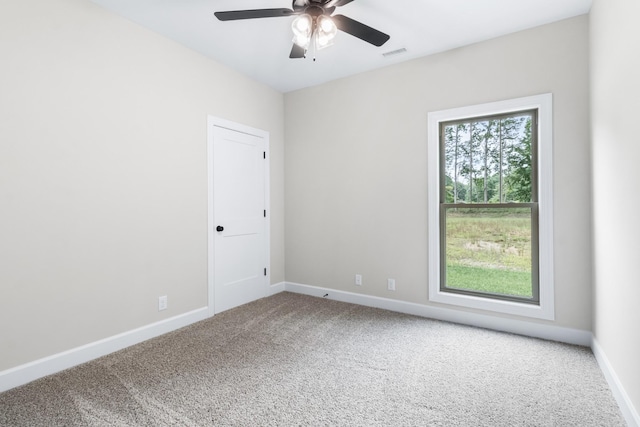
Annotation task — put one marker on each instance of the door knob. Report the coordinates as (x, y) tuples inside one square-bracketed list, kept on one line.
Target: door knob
[(219, 228)]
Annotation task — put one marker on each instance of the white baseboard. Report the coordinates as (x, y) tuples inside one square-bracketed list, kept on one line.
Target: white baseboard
[(520, 327), (624, 402), (28, 372), (276, 288)]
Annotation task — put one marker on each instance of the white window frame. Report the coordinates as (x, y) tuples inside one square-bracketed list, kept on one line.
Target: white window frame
[(544, 104)]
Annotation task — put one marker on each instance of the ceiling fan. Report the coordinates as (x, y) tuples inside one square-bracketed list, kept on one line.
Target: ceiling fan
[(314, 25)]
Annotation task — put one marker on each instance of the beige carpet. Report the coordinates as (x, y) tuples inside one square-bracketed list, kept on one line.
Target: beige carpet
[(293, 360)]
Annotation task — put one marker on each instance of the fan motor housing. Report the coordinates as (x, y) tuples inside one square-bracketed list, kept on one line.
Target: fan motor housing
[(315, 11)]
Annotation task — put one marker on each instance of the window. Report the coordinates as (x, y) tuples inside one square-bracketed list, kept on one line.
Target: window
[(488, 207), (490, 212)]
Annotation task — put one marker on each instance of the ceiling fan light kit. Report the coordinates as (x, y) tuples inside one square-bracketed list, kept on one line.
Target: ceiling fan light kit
[(326, 31), (320, 30), (302, 27), (313, 26)]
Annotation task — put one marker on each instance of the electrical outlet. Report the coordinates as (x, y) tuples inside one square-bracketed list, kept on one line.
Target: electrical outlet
[(391, 284), (359, 279), (162, 303)]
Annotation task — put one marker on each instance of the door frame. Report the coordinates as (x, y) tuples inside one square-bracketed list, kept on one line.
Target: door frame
[(212, 122)]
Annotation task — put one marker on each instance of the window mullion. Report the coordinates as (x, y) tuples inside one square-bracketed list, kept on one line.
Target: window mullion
[(488, 205)]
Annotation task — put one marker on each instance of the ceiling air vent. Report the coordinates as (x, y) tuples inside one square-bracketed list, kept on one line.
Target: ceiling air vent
[(394, 52)]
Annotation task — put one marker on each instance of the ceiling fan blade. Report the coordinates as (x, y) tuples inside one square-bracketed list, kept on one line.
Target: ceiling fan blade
[(359, 30), (337, 3), (233, 15), (297, 52)]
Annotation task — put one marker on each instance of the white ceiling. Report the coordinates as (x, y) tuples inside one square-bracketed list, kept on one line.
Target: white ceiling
[(259, 48)]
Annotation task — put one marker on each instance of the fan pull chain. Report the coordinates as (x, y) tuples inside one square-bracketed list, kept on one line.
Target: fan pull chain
[(314, 47)]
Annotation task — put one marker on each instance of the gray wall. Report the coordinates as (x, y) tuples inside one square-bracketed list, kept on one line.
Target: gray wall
[(356, 163), (615, 91), (103, 174)]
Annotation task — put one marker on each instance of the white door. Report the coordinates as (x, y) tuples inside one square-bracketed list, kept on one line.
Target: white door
[(238, 217)]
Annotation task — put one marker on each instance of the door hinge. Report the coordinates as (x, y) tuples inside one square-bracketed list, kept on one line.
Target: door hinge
[(265, 213), (265, 271), (264, 154)]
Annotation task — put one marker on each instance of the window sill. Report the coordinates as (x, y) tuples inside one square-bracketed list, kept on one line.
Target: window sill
[(542, 311)]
